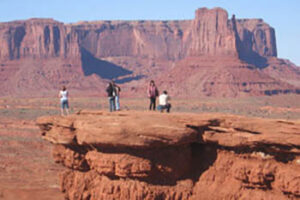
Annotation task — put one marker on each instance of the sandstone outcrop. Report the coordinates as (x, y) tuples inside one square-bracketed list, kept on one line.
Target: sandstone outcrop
[(142, 155)]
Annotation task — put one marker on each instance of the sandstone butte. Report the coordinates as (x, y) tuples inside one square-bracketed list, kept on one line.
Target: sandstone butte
[(145, 156), (210, 55)]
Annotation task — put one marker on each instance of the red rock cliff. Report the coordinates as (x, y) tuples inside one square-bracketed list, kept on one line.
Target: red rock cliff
[(37, 38), (200, 52), (140, 155), (257, 36), (210, 33)]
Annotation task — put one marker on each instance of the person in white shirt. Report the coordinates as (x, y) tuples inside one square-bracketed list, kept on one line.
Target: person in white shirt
[(163, 102), (63, 95)]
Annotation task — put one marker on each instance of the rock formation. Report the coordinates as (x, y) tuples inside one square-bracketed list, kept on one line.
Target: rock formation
[(37, 38), (139, 155), (84, 55), (211, 34)]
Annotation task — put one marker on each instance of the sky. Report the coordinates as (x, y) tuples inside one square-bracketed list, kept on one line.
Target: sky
[(283, 15)]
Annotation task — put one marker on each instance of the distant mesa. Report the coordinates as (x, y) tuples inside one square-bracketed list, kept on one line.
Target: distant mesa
[(238, 55)]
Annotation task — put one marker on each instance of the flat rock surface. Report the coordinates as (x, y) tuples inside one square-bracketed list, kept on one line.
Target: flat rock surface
[(153, 129), (133, 129)]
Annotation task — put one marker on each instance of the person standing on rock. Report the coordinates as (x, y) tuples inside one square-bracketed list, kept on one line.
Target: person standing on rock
[(111, 92), (64, 102), (117, 95), (152, 94)]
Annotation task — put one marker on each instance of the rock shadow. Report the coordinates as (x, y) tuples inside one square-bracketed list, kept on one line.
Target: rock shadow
[(128, 79), (92, 65), (252, 57), (247, 131), (245, 50), (276, 92), (18, 36), (203, 156)]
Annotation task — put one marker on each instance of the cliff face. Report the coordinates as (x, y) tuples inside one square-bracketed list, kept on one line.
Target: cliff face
[(37, 38), (210, 33), (54, 53), (255, 41), (135, 39), (138, 155), (256, 36)]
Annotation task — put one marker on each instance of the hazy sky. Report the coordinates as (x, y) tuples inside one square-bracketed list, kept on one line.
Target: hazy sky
[(283, 15)]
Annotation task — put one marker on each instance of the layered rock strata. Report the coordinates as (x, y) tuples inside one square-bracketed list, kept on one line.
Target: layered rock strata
[(210, 33), (141, 155), (84, 55)]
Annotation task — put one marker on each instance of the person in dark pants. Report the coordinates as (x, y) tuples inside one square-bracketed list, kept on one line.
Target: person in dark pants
[(152, 94), (111, 96)]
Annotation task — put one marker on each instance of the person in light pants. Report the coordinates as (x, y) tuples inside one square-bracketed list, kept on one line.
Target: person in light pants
[(64, 102), (117, 90)]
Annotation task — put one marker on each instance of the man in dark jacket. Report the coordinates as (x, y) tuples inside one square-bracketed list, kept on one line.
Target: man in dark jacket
[(111, 93)]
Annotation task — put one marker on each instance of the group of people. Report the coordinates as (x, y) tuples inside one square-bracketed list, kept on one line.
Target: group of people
[(163, 99), (113, 93)]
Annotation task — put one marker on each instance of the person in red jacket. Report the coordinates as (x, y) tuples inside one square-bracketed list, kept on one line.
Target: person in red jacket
[(152, 94)]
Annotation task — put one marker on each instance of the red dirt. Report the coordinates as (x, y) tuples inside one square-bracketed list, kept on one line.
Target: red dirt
[(26, 170)]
